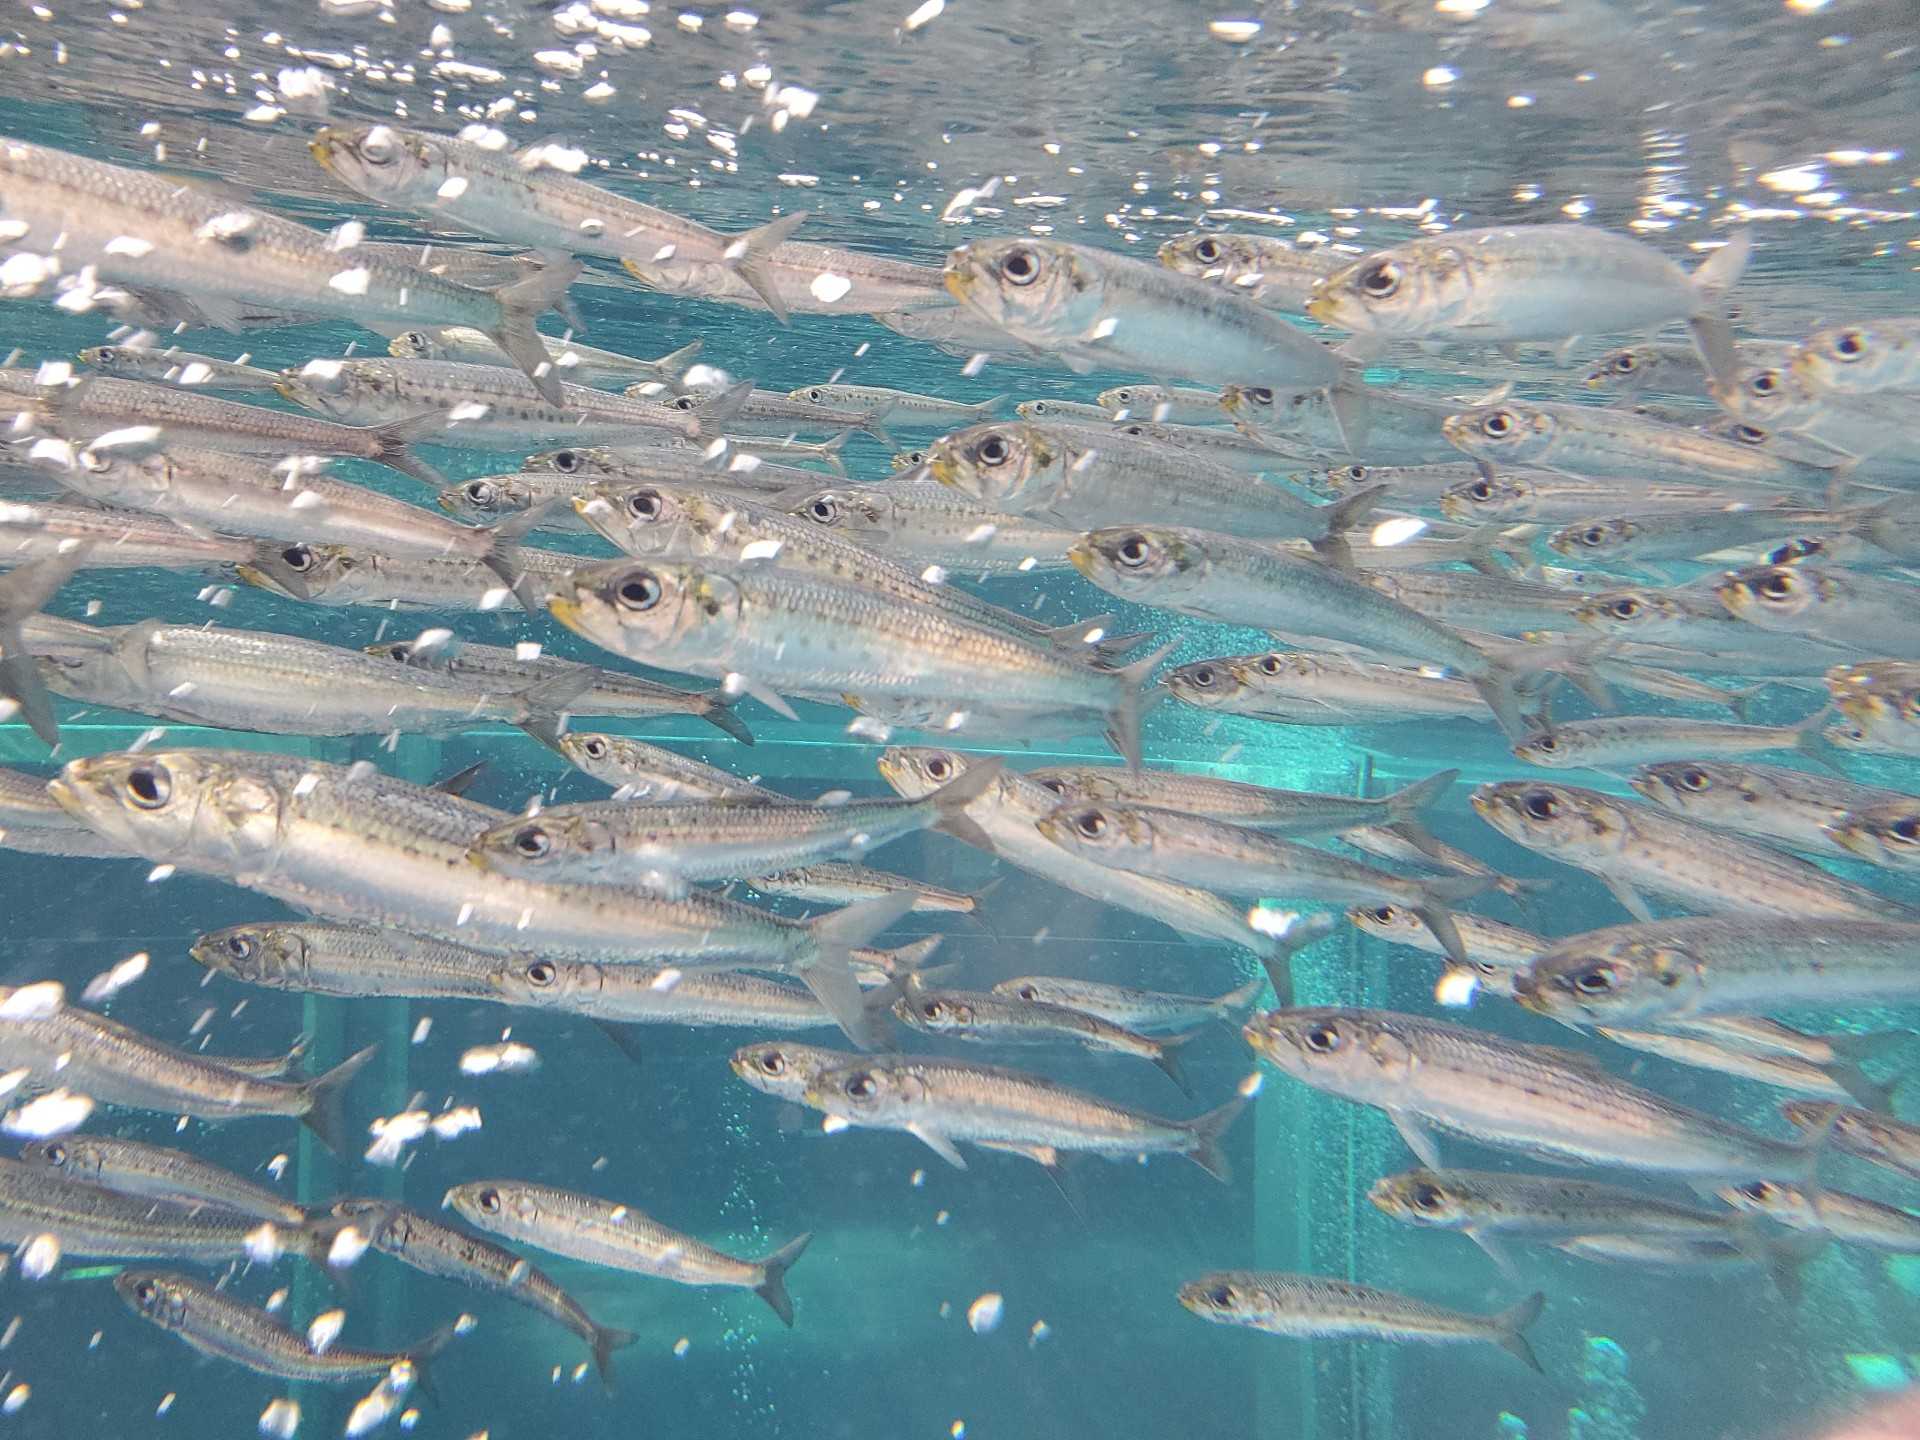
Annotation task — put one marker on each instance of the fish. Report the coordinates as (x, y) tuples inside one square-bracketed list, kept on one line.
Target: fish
[(1868, 613), (1857, 359), (1402, 428), (1552, 1104), (740, 462), (651, 773), (215, 1324), (665, 848), (1882, 698), (350, 961), (945, 1102), (1543, 496), (109, 539), (581, 364), (783, 1068), (362, 848), (527, 201), (1496, 951), (1263, 268), (996, 1018), (1533, 282), (1274, 811), (600, 1232), (924, 523), (1652, 973), (1617, 740), (1300, 687), (1071, 411), (1489, 1207), (133, 1167), (619, 996), (903, 407), (1802, 811), (1150, 1012), (118, 1065), (769, 412), (143, 228), (835, 882), (174, 366), (1850, 1219), (1200, 851), (1163, 404), (784, 632), (1803, 1077), (1886, 834), (356, 575), (959, 331), (448, 1254), (1631, 848), (1878, 1139), (1685, 534), (1309, 1307)]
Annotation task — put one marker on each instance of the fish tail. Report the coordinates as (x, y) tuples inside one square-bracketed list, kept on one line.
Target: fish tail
[(1435, 912), (1422, 795), (746, 255), (1123, 731), (828, 972), (773, 1277), (717, 711), (713, 415), (1869, 1093), (1341, 518), (545, 712), (22, 593), (988, 409), (1229, 1005), (951, 800), (1166, 1055), (1277, 952), (1510, 1325), (829, 453), (1204, 1135), (521, 303), (873, 427), (394, 446), (674, 367), (1712, 335), (423, 1354), (604, 1340), (1352, 413), (325, 1115), (1501, 687)]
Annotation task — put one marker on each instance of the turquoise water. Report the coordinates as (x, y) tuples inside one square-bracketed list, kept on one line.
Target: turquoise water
[(1118, 125)]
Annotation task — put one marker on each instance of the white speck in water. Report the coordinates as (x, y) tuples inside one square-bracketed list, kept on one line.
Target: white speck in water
[(828, 287), (985, 1313), (1040, 1331), (55, 1113), (39, 1255), (16, 1397), (347, 1248), (681, 1346), (1439, 77), (324, 1329), (351, 282), (33, 1002), (1456, 987), (491, 1059), (927, 12), (456, 1122), (280, 1419), (1234, 32), (109, 983), (1397, 531), (263, 1243)]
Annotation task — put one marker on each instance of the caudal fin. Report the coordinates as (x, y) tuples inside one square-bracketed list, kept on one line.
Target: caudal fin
[(1712, 335), (394, 443), (521, 303), (718, 712), (325, 1114), (773, 1277), (747, 254), (1510, 1325), (605, 1340), (1205, 1134), (1404, 804), (828, 972), (1167, 1057), (1123, 731), (673, 367), (952, 799), (1277, 952), (22, 593), (1437, 896)]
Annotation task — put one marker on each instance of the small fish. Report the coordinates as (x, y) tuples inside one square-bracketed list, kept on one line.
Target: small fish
[(1151, 1012), (1308, 1307), (600, 1232), (1496, 951), (835, 882), (356, 575), (1164, 404), (924, 523), (353, 962), (173, 366), (784, 1068), (1618, 740), (1686, 534), (1077, 412), (581, 364), (755, 412), (133, 1167), (1299, 687), (99, 539), (1260, 807), (1491, 1206), (903, 407), (1886, 834), (1869, 613), (1850, 1219), (1882, 698), (216, 1324), (1542, 496), (1861, 359), (1768, 802), (1703, 1052), (32, 822), (1403, 429), (652, 774), (1263, 268), (1878, 1139)]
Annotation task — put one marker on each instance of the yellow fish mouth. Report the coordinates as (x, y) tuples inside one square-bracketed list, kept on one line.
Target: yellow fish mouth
[(941, 467), (1080, 556), (1324, 309), (566, 610), (321, 147), (958, 280)]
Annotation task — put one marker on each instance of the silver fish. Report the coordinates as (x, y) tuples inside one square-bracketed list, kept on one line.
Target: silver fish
[(1801, 1077), (108, 539), (652, 774), (581, 364), (903, 407), (1768, 802), (1882, 698), (1150, 1012), (133, 1167), (923, 523), (1276, 812), (1300, 687), (1850, 1219), (1869, 613), (1879, 1139), (30, 820), (1163, 404), (1402, 429), (1263, 268), (356, 575), (1617, 740), (173, 366)]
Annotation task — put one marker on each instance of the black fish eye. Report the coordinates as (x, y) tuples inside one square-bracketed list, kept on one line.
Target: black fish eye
[(1497, 426), (1850, 344), (56, 1153), (480, 492), (1593, 536), (239, 947), (1356, 473), (149, 787), (1380, 280), (1221, 1295), (1028, 992), (1428, 1197), (815, 396), (1540, 804), (1764, 383), (1134, 550), (414, 339), (1906, 828), (1480, 490), (1201, 676), (1260, 395), (1207, 251), (566, 461), (595, 749), (1597, 981), (1058, 787), (1758, 1190), (1271, 665), (489, 1201), (541, 973), (639, 591), (683, 402), (1090, 823), (1546, 742), (297, 558), (1625, 609), (400, 653), (1778, 585), (644, 505), (939, 768), (1625, 364), (773, 1062), (932, 1009), (145, 1291), (993, 450), (1022, 267), (860, 1086), (825, 511), (532, 842), (1322, 1039), (1383, 915)]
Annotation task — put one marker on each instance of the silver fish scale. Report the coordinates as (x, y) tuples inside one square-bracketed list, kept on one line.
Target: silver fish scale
[(647, 994), (1305, 1304), (134, 1168), (113, 539), (404, 388), (107, 1225), (585, 1227)]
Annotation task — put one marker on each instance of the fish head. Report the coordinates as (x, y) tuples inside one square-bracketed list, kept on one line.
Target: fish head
[(1552, 819), (1136, 399), (1210, 684), (1594, 539), (539, 981), (344, 390), (382, 162), (155, 1295), (1222, 1296), (415, 345), (1340, 479), (1135, 561), (1345, 1052), (934, 1012), (1694, 787), (1604, 979), (1877, 693), (491, 1204), (174, 805), (571, 460), (1505, 434), (1489, 497), (842, 508), (647, 608), (1626, 370), (865, 1093), (1767, 395), (258, 954), (1407, 290), (542, 845), (1851, 736), (1786, 1204), (1201, 253), (908, 460), (486, 499), (300, 571), (1035, 289), (1110, 834), (1777, 597), (116, 476), (1885, 834), (993, 464), (784, 1068), (645, 519), (917, 771), (1849, 359), (1394, 923), (74, 1156), (830, 395), (1427, 1198), (1545, 749), (1630, 612)]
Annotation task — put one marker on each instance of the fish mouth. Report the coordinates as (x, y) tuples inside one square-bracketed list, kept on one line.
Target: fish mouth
[(322, 146), (958, 278), (1853, 840), (942, 467), (567, 610), (1324, 308), (1080, 555)]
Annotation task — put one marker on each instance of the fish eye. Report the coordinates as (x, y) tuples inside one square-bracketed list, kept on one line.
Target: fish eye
[(1379, 280), (480, 492), (1090, 823), (993, 450), (414, 339), (825, 511), (1849, 345), (1625, 608), (860, 1086), (1058, 787), (1134, 551), (56, 1153), (1221, 1295), (542, 973), (1207, 251), (1764, 383), (1540, 804), (1759, 1190), (684, 403), (1597, 981), (1546, 743), (489, 1201), (1356, 473), (1260, 395), (145, 1291), (1694, 780), (1428, 1197), (639, 591), (1383, 915), (1778, 585), (149, 787), (1749, 434), (240, 947), (1271, 665), (400, 653), (1497, 426), (1593, 537), (1201, 677), (644, 505), (1124, 396), (595, 749), (771, 1063), (566, 461), (933, 1009), (1625, 364), (1322, 1039), (1906, 829), (1480, 490), (532, 842), (815, 395), (1021, 266), (939, 768), (1028, 992), (297, 558)]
